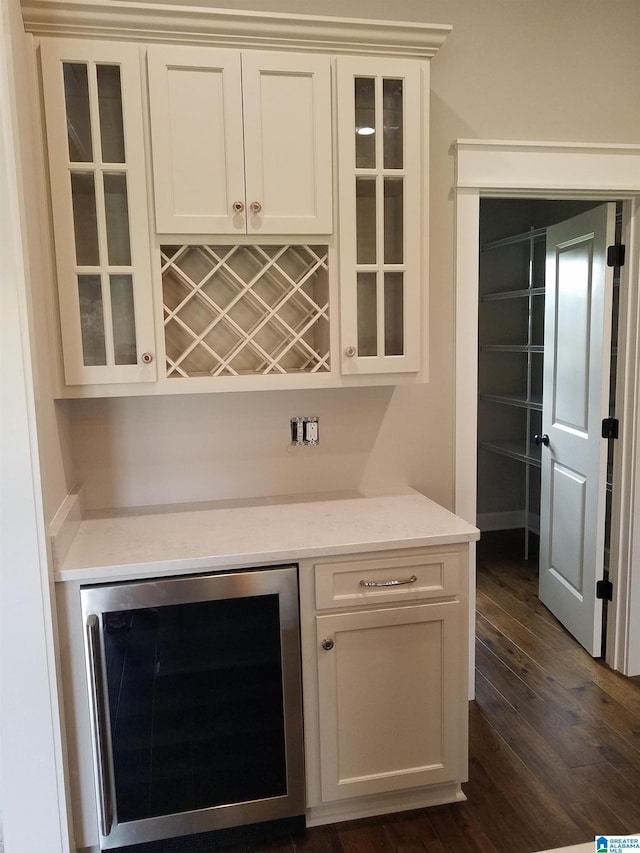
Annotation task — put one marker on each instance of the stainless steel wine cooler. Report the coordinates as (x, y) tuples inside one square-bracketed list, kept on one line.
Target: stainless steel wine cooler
[(195, 703)]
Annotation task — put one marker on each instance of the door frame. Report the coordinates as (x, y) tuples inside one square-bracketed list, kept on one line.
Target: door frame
[(549, 170)]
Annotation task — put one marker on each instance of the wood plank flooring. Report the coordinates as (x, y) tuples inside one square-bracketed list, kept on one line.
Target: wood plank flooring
[(554, 739)]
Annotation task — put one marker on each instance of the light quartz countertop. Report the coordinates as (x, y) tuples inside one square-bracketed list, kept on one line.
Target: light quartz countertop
[(156, 541)]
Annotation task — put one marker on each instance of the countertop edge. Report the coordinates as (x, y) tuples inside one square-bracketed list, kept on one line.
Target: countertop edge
[(114, 549), (167, 568)]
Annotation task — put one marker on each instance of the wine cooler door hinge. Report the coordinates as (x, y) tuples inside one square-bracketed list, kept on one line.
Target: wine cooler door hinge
[(610, 428), (615, 255), (604, 590)]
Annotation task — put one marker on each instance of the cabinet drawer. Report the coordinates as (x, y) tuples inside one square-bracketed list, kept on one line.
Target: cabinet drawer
[(434, 574)]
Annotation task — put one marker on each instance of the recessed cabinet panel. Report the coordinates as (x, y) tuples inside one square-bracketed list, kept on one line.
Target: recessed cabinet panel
[(195, 97), (99, 208), (393, 724), (287, 138), (241, 141), (380, 154)]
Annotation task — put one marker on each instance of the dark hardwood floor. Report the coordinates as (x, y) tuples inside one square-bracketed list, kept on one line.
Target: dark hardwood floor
[(554, 739)]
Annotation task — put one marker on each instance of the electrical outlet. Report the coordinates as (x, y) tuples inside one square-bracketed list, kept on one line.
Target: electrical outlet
[(305, 431)]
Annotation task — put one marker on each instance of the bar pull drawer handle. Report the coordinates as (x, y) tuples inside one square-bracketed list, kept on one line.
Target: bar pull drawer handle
[(98, 723), (412, 579)]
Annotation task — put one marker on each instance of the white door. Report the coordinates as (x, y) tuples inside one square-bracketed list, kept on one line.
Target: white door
[(195, 101), (382, 213), (577, 345), (287, 143), (389, 682), (95, 141)]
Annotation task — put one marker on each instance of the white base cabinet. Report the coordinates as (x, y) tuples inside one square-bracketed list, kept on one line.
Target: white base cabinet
[(385, 668), (383, 635)]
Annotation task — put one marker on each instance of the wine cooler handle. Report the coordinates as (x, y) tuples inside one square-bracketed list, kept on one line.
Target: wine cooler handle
[(98, 723)]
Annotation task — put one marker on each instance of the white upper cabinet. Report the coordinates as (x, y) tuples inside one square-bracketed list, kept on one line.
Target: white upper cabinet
[(241, 141), (382, 190), (192, 196), (95, 142)]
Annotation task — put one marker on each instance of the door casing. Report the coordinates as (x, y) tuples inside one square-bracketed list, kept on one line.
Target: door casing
[(557, 171)]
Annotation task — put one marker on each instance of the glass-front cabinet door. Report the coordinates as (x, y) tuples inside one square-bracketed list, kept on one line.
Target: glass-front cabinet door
[(95, 142), (381, 150)]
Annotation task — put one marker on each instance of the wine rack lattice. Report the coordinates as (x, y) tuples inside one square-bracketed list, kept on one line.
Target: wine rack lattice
[(234, 310)]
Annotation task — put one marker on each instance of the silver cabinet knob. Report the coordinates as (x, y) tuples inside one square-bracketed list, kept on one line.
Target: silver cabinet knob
[(238, 206), (146, 357), (255, 207), (327, 645), (350, 352)]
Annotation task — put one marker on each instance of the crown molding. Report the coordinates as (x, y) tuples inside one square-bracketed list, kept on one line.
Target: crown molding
[(201, 24)]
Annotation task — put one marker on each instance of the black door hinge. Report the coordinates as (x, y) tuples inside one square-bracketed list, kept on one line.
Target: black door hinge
[(610, 428), (615, 255), (604, 590)]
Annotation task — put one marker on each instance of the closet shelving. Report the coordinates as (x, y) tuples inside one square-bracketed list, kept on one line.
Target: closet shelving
[(511, 356)]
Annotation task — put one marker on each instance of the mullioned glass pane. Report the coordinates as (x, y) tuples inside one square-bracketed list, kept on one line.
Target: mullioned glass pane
[(394, 313), (117, 218), (85, 224), (366, 250), (76, 96), (110, 111), (123, 319), (393, 121), (367, 314), (92, 320), (365, 120)]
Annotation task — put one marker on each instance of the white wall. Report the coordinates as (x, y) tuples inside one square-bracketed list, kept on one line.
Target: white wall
[(565, 70), (30, 737)]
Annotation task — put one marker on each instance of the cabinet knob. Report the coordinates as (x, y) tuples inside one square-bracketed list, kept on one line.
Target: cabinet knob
[(541, 439), (327, 645), (350, 352), (255, 207), (146, 357), (238, 206)]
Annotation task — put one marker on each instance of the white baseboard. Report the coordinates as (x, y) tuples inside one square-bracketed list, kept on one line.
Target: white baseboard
[(509, 520)]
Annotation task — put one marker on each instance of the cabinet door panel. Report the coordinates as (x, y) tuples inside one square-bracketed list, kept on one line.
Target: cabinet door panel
[(93, 110), (287, 132), (382, 179), (196, 129), (390, 699)]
